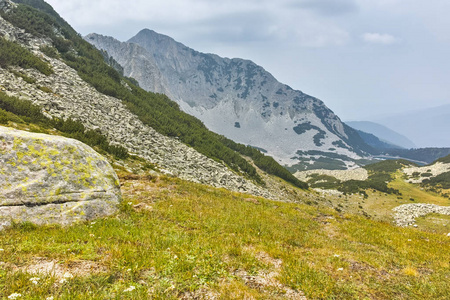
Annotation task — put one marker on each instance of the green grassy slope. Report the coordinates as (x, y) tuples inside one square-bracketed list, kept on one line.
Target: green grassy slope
[(173, 238)]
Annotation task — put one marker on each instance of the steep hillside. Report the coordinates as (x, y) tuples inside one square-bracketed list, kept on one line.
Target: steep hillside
[(236, 98), (174, 239), (423, 155), (79, 85), (383, 133), (426, 127), (375, 142)]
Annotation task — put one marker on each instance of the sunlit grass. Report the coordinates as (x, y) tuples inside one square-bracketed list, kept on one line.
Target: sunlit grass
[(190, 238)]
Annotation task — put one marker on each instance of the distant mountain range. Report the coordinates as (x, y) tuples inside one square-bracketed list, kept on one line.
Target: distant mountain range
[(391, 138), (427, 128), (238, 99)]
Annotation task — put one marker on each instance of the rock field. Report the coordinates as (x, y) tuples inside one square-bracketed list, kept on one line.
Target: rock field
[(405, 215), (72, 97), (435, 169), (342, 175)]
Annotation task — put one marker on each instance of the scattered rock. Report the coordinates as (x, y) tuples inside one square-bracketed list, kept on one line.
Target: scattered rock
[(342, 175), (6, 5), (435, 170), (143, 206), (266, 281), (405, 215)]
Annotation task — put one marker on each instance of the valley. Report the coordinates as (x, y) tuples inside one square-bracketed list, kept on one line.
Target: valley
[(227, 183)]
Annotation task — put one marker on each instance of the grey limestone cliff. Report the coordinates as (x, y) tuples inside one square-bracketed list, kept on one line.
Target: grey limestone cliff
[(234, 97)]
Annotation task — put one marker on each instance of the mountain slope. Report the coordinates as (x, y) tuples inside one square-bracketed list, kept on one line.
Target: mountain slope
[(383, 133), (81, 86), (375, 142), (427, 128), (235, 97)]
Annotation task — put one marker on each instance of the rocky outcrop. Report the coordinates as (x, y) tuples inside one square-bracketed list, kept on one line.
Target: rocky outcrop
[(11, 33), (419, 174), (406, 215), (235, 98), (6, 5), (342, 175), (48, 179), (72, 97)]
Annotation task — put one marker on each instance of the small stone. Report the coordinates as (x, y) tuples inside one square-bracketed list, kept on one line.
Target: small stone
[(130, 289), (14, 296)]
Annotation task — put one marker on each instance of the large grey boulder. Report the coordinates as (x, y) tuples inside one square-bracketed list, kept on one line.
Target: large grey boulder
[(47, 179)]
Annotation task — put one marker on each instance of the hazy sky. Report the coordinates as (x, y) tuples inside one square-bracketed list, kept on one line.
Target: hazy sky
[(361, 57)]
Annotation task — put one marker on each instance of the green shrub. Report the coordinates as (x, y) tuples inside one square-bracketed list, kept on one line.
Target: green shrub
[(12, 54), (14, 109), (46, 89), (440, 181), (24, 77), (50, 51)]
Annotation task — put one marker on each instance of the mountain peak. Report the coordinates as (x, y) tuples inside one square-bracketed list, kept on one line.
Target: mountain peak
[(149, 34), (242, 101)]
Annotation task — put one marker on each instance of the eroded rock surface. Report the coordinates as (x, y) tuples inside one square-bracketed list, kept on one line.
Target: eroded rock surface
[(48, 179)]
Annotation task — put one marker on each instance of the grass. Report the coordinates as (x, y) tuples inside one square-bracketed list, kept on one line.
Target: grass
[(416, 192), (173, 238), (435, 223)]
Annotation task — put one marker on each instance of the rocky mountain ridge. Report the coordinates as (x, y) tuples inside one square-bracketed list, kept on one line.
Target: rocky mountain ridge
[(236, 98), (67, 95)]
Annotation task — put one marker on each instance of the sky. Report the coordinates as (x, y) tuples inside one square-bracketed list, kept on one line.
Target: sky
[(364, 58)]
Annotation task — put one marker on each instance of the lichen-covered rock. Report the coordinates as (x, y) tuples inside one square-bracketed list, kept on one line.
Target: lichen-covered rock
[(47, 179)]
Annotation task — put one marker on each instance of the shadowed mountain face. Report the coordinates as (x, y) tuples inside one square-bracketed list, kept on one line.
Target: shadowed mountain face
[(235, 98)]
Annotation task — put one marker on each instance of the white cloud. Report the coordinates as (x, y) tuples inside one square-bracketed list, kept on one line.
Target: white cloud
[(378, 38)]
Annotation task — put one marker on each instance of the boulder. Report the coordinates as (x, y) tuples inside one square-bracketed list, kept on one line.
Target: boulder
[(47, 179)]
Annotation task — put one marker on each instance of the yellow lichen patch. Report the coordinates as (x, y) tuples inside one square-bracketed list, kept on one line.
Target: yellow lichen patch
[(410, 271)]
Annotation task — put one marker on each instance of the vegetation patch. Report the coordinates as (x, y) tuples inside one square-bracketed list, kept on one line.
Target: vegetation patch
[(23, 111), (12, 54), (23, 76), (173, 238), (441, 181), (444, 160)]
